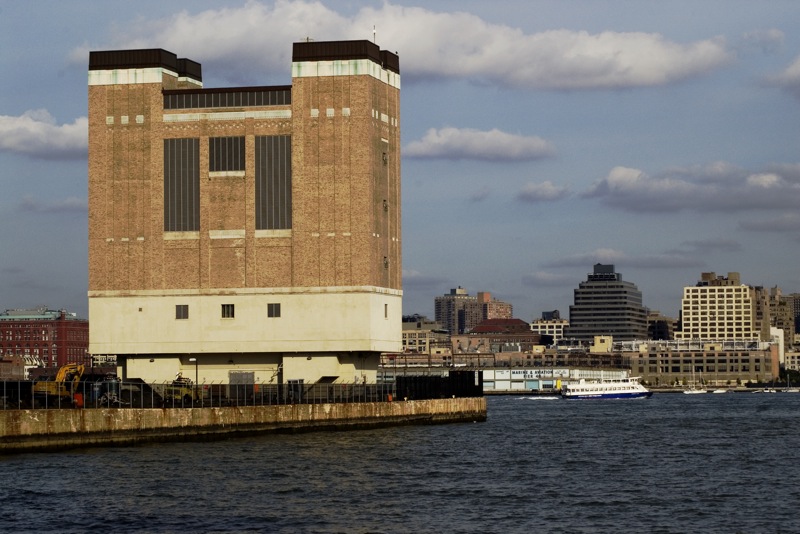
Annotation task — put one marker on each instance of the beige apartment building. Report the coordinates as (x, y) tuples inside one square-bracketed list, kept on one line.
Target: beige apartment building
[(245, 234), (423, 336), (720, 307), (550, 327)]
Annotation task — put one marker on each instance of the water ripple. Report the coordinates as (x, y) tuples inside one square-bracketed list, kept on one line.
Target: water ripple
[(671, 464)]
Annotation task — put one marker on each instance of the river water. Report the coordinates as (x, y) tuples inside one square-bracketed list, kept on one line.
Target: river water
[(671, 463)]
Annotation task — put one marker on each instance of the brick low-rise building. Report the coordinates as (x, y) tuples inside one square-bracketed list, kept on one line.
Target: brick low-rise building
[(49, 338), (458, 312), (712, 362)]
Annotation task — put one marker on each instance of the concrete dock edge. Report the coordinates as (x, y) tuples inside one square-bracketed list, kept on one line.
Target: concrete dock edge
[(47, 430)]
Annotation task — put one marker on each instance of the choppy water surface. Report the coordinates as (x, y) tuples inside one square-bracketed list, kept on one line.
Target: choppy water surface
[(672, 463)]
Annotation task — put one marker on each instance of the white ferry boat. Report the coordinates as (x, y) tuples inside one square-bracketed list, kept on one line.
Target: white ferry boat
[(607, 388)]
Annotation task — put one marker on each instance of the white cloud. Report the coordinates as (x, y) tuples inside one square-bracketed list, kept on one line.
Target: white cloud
[(241, 43), (764, 180), (542, 192), (467, 143), (768, 41), (788, 79), (36, 134), (717, 187), (461, 45)]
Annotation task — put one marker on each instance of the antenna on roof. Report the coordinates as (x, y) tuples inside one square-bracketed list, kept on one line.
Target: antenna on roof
[(373, 33)]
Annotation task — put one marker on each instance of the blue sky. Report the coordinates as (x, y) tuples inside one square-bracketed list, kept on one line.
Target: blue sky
[(539, 137)]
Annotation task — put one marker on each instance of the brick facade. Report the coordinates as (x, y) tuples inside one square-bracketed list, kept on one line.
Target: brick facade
[(41, 337), (344, 238)]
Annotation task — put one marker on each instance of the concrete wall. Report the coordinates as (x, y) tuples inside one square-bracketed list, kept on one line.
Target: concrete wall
[(312, 320), (32, 430)]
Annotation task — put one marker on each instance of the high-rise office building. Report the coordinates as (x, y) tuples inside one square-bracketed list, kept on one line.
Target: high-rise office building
[(720, 307), (606, 305), (245, 233)]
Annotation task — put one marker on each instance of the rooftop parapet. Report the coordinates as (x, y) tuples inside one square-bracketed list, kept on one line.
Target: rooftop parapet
[(145, 59)]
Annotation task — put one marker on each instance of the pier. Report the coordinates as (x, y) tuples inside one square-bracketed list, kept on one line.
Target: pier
[(43, 430)]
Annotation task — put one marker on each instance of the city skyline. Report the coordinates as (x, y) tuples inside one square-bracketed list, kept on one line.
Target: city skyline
[(537, 139)]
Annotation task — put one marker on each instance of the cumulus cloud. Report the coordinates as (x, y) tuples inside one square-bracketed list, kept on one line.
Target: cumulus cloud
[(243, 44), (617, 257), (461, 45), (36, 134), (432, 45), (768, 41), (542, 192), (717, 187), (788, 79), (66, 205), (468, 143)]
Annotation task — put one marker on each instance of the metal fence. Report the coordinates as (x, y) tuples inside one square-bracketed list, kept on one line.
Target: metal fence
[(112, 392), (24, 394)]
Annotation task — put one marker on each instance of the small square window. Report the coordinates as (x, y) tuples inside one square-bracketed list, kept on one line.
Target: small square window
[(181, 311), (274, 309), (227, 311)]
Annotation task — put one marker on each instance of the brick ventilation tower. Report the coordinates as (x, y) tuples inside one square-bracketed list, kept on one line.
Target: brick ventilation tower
[(246, 233)]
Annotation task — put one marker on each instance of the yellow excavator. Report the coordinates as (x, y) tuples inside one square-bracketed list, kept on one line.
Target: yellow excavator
[(61, 389)]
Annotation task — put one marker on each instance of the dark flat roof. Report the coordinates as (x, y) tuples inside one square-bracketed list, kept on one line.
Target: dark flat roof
[(303, 51), (331, 50), (144, 58)]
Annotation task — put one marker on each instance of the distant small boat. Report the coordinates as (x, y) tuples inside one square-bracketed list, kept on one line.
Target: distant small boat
[(720, 391), (607, 388), (789, 388), (694, 390)]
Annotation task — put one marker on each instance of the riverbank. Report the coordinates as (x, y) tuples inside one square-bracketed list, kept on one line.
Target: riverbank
[(43, 430)]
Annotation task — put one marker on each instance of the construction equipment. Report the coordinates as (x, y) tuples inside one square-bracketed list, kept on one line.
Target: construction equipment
[(59, 390), (107, 391), (180, 391)]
